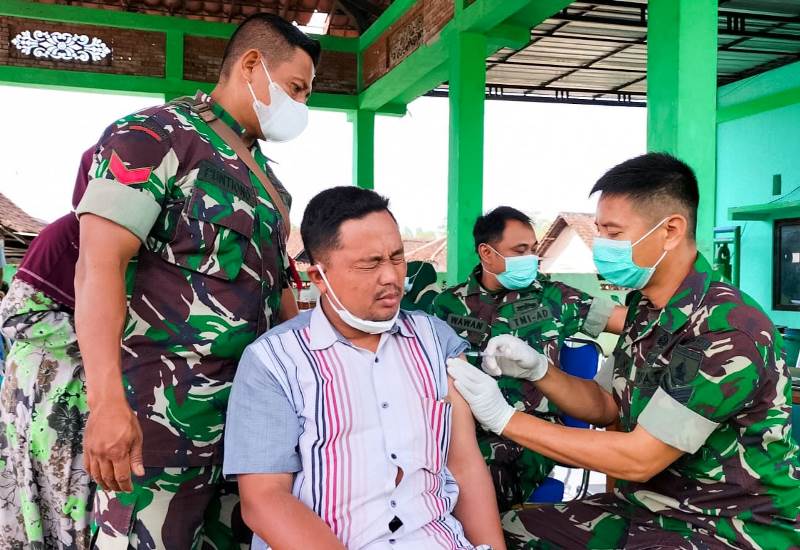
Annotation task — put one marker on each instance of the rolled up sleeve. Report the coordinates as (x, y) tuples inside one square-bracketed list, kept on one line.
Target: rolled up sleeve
[(262, 429), (675, 424), (452, 344), (705, 388), (133, 170), (597, 318)]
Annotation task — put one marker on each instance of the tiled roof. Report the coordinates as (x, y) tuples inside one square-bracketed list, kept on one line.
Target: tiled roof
[(581, 223), (16, 220), (348, 19)]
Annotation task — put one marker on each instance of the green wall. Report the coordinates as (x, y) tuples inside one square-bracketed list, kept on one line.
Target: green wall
[(750, 150)]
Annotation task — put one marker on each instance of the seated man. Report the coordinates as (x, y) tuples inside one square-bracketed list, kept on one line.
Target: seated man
[(507, 295), (342, 427)]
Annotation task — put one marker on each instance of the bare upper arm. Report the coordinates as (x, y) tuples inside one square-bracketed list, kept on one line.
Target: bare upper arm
[(617, 320), (463, 441), (653, 454), (102, 238), (254, 487)]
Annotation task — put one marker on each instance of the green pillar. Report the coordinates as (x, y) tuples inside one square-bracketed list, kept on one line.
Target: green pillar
[(465, 180), (174, 63), (682, 94), (363, 148)]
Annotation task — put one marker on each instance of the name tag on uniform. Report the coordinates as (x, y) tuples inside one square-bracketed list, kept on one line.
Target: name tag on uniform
[(210, 173), (530, 317), (470, 324)]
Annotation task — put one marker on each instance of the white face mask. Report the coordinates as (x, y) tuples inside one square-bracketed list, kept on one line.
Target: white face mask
[(284, 118), (363, 325)]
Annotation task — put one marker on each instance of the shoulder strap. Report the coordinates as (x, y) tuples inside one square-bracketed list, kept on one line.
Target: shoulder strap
[(235, 142)]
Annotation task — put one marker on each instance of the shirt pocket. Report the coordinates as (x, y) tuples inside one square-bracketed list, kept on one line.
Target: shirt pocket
[(434, 441), (212, 233)]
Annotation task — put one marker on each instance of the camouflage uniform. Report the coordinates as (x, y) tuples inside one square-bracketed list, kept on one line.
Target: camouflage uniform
[(205, 283), (424, 287), (704, 375), (543, 315)]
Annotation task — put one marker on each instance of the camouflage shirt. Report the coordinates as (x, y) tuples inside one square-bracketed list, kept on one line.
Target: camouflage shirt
[(207, 280), (544, 315), (705, 375)]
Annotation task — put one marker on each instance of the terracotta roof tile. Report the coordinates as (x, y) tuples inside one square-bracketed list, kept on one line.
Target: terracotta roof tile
[(13, 218), (582, 223)]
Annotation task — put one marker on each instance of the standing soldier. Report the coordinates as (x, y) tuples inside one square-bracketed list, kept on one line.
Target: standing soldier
[(704, 457), (183, 262), (506, 295)]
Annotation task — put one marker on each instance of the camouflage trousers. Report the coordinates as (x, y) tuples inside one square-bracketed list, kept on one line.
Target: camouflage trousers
[(172, 509), (515, 471), (601, 522), (44, 490)]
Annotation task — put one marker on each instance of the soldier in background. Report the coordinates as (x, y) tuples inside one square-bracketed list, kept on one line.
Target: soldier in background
[(183, 261), (704, 457), (420, 287), (506, 295)]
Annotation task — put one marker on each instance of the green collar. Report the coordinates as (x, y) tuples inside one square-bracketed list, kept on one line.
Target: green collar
[(686, 299), (221, 113)]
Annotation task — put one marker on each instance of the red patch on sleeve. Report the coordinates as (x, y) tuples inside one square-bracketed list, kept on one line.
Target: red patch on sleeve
[(147, 131), (125, 175)]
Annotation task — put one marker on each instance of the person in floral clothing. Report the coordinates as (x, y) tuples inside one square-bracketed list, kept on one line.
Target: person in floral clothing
[(44, 489)]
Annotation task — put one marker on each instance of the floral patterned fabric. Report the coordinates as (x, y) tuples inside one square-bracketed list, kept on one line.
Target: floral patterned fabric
[(44, 490)]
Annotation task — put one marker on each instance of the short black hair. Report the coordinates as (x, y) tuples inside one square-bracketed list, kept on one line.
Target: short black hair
[(328, 210), (489, 227), (657, 182), (270, 34)]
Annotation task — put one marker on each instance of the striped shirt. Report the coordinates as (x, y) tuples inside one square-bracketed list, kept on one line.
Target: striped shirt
[(346, 421)]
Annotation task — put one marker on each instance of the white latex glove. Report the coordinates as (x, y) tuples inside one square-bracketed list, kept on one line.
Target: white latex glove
[(510, 356), (482, 394)]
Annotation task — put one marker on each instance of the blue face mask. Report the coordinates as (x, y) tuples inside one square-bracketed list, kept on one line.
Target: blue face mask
[(614, 261), (520, 271)]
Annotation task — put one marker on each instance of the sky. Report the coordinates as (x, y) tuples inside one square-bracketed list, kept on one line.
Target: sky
[(541, 158)]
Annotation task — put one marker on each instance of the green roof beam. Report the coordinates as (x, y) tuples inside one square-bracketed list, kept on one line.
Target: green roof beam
[(389, 17)]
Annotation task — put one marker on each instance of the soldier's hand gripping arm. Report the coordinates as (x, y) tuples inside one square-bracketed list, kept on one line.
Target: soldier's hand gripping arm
[(635, 456), (113, 437), (579, 398)]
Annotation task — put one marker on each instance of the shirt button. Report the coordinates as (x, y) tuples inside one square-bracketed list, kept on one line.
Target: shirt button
[(384, 405), (393, 503), (394, 456), (392, 541), (377, 360)]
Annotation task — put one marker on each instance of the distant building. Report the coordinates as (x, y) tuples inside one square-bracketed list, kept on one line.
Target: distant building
[(565, 253), (567, 245), (17, 229)]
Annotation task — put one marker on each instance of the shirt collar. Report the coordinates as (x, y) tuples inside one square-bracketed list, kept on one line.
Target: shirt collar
[(687, 298), (221, 113), (325, 335)]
